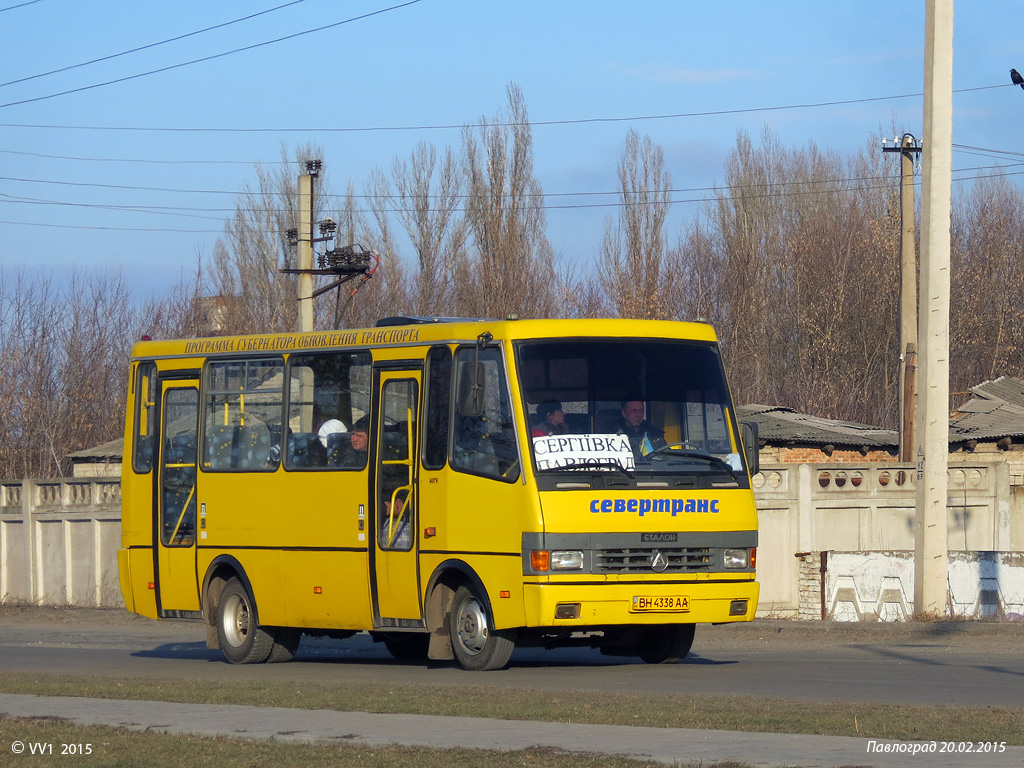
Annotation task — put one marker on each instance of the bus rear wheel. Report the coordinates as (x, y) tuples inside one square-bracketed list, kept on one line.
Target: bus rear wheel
[(666, 644), (242, 640), (478, 647)]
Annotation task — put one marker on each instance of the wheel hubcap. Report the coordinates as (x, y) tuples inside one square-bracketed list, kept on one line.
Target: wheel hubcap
[(472, 626), (236, 620)]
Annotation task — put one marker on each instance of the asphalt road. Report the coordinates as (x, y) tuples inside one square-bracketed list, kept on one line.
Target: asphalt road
[(962, 664)]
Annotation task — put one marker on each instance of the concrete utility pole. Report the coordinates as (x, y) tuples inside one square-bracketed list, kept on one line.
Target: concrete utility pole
[(305, 281), (931, 546), (908, 147)]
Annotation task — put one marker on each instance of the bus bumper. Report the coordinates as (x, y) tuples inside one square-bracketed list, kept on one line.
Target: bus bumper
[(619, 604)]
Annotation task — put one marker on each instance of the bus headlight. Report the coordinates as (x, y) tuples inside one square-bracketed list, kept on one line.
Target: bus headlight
[(568, 560), (735, 558)]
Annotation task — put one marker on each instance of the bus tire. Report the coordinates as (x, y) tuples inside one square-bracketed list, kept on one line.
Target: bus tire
[(666, 643), (242, 640), (286, 643), (477, 646)]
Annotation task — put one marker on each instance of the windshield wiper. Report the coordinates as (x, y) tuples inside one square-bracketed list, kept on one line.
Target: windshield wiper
[(687, 451)]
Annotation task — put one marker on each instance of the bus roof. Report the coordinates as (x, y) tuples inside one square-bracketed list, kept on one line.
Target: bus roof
[(417, 331)]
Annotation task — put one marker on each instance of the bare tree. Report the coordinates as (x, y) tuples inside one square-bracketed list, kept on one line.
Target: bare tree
[(512, 270), (634, 264), (247, 261), (65, 352), (796, 264), (581, 292), (425, 199), (987, 302), (361, 302)]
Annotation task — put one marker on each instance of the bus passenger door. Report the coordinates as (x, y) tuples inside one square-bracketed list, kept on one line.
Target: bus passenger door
[(395, 517), (175, 525)]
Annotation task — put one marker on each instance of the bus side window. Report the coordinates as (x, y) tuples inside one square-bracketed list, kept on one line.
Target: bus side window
[(438, 397), (483, 440), (144, 449), (244, 405), (328, 397)]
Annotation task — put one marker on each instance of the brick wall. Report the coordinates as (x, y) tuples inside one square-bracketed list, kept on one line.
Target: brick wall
[(814, 455), (809, 585)]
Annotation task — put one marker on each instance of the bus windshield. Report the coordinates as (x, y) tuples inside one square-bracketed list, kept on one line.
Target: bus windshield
[(633, 406)]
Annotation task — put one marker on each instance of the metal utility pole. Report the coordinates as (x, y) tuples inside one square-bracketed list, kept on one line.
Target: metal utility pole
[(931, 546), (305, 243), (908, 147)]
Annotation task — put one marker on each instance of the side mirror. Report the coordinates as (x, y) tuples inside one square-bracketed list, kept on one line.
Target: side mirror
[(748, 435)]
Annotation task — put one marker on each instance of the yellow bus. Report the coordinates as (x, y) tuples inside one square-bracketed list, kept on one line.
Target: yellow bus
[(453, 487)]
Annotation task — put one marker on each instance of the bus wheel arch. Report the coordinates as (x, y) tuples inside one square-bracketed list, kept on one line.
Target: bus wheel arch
[(220, 571), (232, 618), (440, 592), (461, 620), (477, 645), (242, 640)]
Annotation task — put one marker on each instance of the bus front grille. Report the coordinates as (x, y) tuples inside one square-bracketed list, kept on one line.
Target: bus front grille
[(639, 560)]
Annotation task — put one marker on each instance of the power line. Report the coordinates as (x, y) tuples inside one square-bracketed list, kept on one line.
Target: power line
[(450, 126), (160, 210), (150, 162), (19, 5), (768, 194), (150, 45), (987, 149), (672, 190), (115, 229), (208, 58), (964, 148)]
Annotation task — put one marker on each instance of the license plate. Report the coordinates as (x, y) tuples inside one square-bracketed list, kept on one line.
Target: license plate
[(664, 603)]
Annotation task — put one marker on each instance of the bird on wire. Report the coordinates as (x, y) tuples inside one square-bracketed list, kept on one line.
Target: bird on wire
[(1016, 79)]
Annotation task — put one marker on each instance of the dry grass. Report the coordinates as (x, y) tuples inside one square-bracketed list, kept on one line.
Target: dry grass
[(120, 748), (760, 715)]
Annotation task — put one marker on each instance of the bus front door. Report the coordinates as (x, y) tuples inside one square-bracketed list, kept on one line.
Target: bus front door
[(395, 587), (175, 525)]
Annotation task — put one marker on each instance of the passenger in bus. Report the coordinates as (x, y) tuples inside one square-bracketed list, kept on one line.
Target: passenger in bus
[(552, 419), (354, 453), (643, 436)]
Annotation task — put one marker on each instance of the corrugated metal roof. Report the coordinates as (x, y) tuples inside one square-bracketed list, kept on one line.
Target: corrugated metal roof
[(781, 424), (112, 450), (1005, 388), (996, 411)]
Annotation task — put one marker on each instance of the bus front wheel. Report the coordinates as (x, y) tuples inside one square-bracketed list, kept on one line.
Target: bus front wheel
[(477, 645), (666, 644), (242, 640)]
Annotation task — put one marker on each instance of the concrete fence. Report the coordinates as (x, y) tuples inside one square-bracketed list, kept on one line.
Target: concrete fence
[(822, 521), (879, 586), (59, 540)]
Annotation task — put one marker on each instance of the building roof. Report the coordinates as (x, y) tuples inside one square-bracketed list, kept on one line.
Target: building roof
[(107, 452), (777, 424), (995, 411)]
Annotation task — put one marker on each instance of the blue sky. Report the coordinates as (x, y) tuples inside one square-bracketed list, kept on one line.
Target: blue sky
[(69, 161)]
